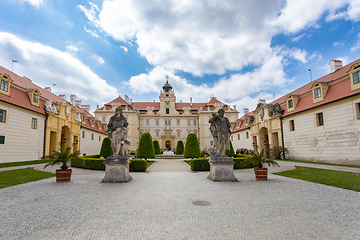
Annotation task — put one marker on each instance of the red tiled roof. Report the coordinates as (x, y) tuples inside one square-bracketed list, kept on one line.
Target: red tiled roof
[(20, 98), (336, 91), (243, 123), (95, 128)]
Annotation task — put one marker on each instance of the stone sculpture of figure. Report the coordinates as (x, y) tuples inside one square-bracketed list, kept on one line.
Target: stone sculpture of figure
[(117, 133), (220, 130)]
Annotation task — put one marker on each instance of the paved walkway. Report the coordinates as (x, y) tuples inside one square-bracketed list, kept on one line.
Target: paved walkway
[(169, 165), (178, 205)]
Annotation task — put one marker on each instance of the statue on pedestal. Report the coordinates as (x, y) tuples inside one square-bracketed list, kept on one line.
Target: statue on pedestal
[(221, 166), (117, 165)]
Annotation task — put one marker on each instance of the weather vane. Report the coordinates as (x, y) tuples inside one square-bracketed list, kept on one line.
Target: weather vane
[(167, 78)]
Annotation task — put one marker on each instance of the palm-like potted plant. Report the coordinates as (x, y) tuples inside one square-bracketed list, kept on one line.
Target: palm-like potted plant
[(257, 160), (62, 158)]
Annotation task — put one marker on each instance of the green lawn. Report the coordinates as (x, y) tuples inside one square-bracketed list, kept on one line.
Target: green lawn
[(346, 180), (322, 163), (19, 176), (14, 164), (149, 163)]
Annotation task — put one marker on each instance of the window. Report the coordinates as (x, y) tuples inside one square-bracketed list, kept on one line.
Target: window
[(83, 134), (2, 139), (247, 134), (246, 121), (194, 122), (92, 136), (356, 77), (178, 122), (147, 122), (34, 123), (292, 125), (211, 143), (320, 119), (290, 103), (99, 138), (165, 122), (169, 122), (35, 98), (104, 119), (317, 93), (83, 118), (357, 110), (238, 124), (167, 110), (238, 136), (166, 134), (4, 85), (92, 122), (178, 134), (2, 116), (189, 122), (157, 122), (157, 134)]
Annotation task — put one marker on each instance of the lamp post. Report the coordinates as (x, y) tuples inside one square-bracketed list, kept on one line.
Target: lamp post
[(310, 75)]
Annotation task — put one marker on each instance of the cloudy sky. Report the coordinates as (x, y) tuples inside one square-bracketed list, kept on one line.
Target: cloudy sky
[(236, 50)]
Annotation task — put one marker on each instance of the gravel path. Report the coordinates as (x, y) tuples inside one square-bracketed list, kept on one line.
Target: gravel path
[(169, 165), (178, 205)]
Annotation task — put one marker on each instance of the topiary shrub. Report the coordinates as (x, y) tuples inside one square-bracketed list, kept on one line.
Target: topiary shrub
[(241, 163), (106, 149), (138, 165), (146, 146), (179, 148), (192, 148), (230, 152), (200, 164), (156, 147)]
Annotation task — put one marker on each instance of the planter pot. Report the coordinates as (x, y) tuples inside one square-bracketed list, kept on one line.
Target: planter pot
[(63, 175), (261, 173)]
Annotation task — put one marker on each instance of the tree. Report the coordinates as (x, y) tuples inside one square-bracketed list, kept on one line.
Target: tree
[(192, 148), (179, 148), (106, 149), (230, 152), (145, 147), (157, 147)]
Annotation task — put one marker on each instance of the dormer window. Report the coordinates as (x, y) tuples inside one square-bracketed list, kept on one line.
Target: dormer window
[(34, 96), (356, 78), (319, 90), (354, 73), (290, 103), (5, 84)]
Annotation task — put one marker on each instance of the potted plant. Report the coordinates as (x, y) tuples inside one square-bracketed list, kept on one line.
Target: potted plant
[(62, 157), (257, 160)]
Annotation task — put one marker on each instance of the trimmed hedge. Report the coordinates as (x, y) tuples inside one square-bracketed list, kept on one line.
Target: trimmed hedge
[(91, 156), (146, 146), (240, 163), (156, 147), (230, 152), (179, 148), (241, 155), (106, 149), (136, 165), (192, 148), (200, 164)]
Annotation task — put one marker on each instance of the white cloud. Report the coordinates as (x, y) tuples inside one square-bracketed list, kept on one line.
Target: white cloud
[(46, 65), (90, 13), (92, 33), (297, 38), (124, 48), (72, 48), (97, 58), (356, 45), (298, 15), (36, 3)]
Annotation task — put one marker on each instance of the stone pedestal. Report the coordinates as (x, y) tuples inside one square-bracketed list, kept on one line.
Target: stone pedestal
[(221, 169), (117, 169)]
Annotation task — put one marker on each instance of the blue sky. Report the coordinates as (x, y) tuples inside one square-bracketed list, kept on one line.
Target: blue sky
[(238, 51)]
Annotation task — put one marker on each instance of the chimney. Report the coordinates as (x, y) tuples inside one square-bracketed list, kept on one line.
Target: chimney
[(72, 99), (86, 107), (78, 103), (130, 101), (246, 111), (190, 101), (180, 101), (235, 107), (63, 96), (48, 88), (262, 101), (335, 65)]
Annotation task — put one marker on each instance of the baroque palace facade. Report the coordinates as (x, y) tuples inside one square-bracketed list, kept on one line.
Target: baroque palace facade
[(319, 121), (34, 121), (167, 121)]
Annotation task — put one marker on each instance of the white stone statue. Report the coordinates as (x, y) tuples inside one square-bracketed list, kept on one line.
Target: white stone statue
[(220, 130), (117, 133), (50, 107)]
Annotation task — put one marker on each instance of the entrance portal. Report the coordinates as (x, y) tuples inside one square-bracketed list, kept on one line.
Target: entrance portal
[(168, 145)]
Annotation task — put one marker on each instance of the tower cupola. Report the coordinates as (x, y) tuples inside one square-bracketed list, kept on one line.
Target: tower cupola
[(167, 87)]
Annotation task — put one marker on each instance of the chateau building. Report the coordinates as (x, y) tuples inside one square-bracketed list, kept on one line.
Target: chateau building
[(34, 121), (168, 121), (318, 121)]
